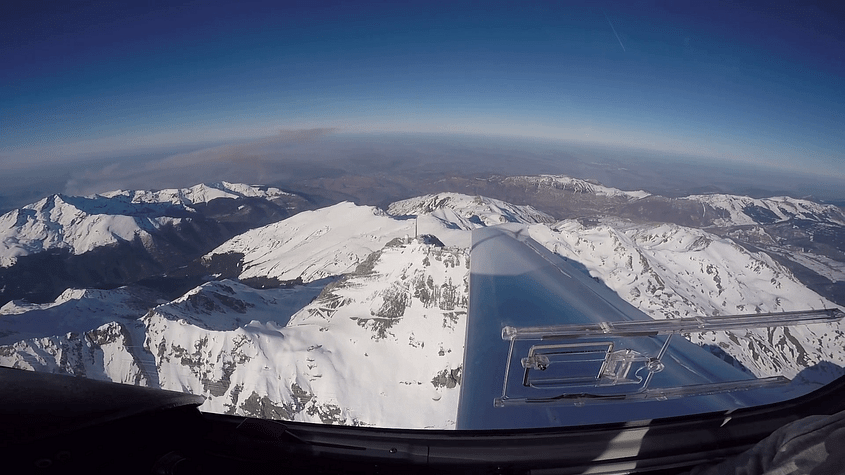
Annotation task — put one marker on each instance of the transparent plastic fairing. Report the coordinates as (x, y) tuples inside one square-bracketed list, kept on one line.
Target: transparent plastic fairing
[(569, 364)]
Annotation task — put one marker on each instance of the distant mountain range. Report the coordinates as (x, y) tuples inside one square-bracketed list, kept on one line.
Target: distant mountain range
[(116, 238), (351, 314)]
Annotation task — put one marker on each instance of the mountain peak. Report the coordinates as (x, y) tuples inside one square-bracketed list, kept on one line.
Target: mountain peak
[(468, 212), (83, 223)]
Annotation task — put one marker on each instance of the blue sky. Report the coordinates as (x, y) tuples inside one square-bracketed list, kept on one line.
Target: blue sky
[(758, 83)]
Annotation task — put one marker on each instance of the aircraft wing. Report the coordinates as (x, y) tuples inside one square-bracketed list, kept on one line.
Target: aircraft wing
[(549, 346)]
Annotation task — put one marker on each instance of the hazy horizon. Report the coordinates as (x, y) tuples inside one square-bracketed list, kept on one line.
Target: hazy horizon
[(289, 160), (98, 96)]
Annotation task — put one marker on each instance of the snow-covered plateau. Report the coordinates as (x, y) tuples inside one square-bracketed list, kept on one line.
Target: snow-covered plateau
[(369, 326)]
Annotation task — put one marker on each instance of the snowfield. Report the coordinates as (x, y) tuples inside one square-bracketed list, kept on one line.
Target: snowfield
[(314, 244)]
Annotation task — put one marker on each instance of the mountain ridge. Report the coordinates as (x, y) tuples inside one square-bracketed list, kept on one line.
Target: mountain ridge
[(371, 315)]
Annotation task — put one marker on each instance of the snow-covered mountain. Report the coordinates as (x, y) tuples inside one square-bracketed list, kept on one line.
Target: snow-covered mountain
[(671, 271), (743, 210), (313, 244), (75, 310), (122, 237), (227, 305), (572, 198), (574, 185), (468, 212), (716, 209), (81, 224), (332, 241), (202, 193), (371, 320), (449, 215), (110, 352), (385, 337)]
